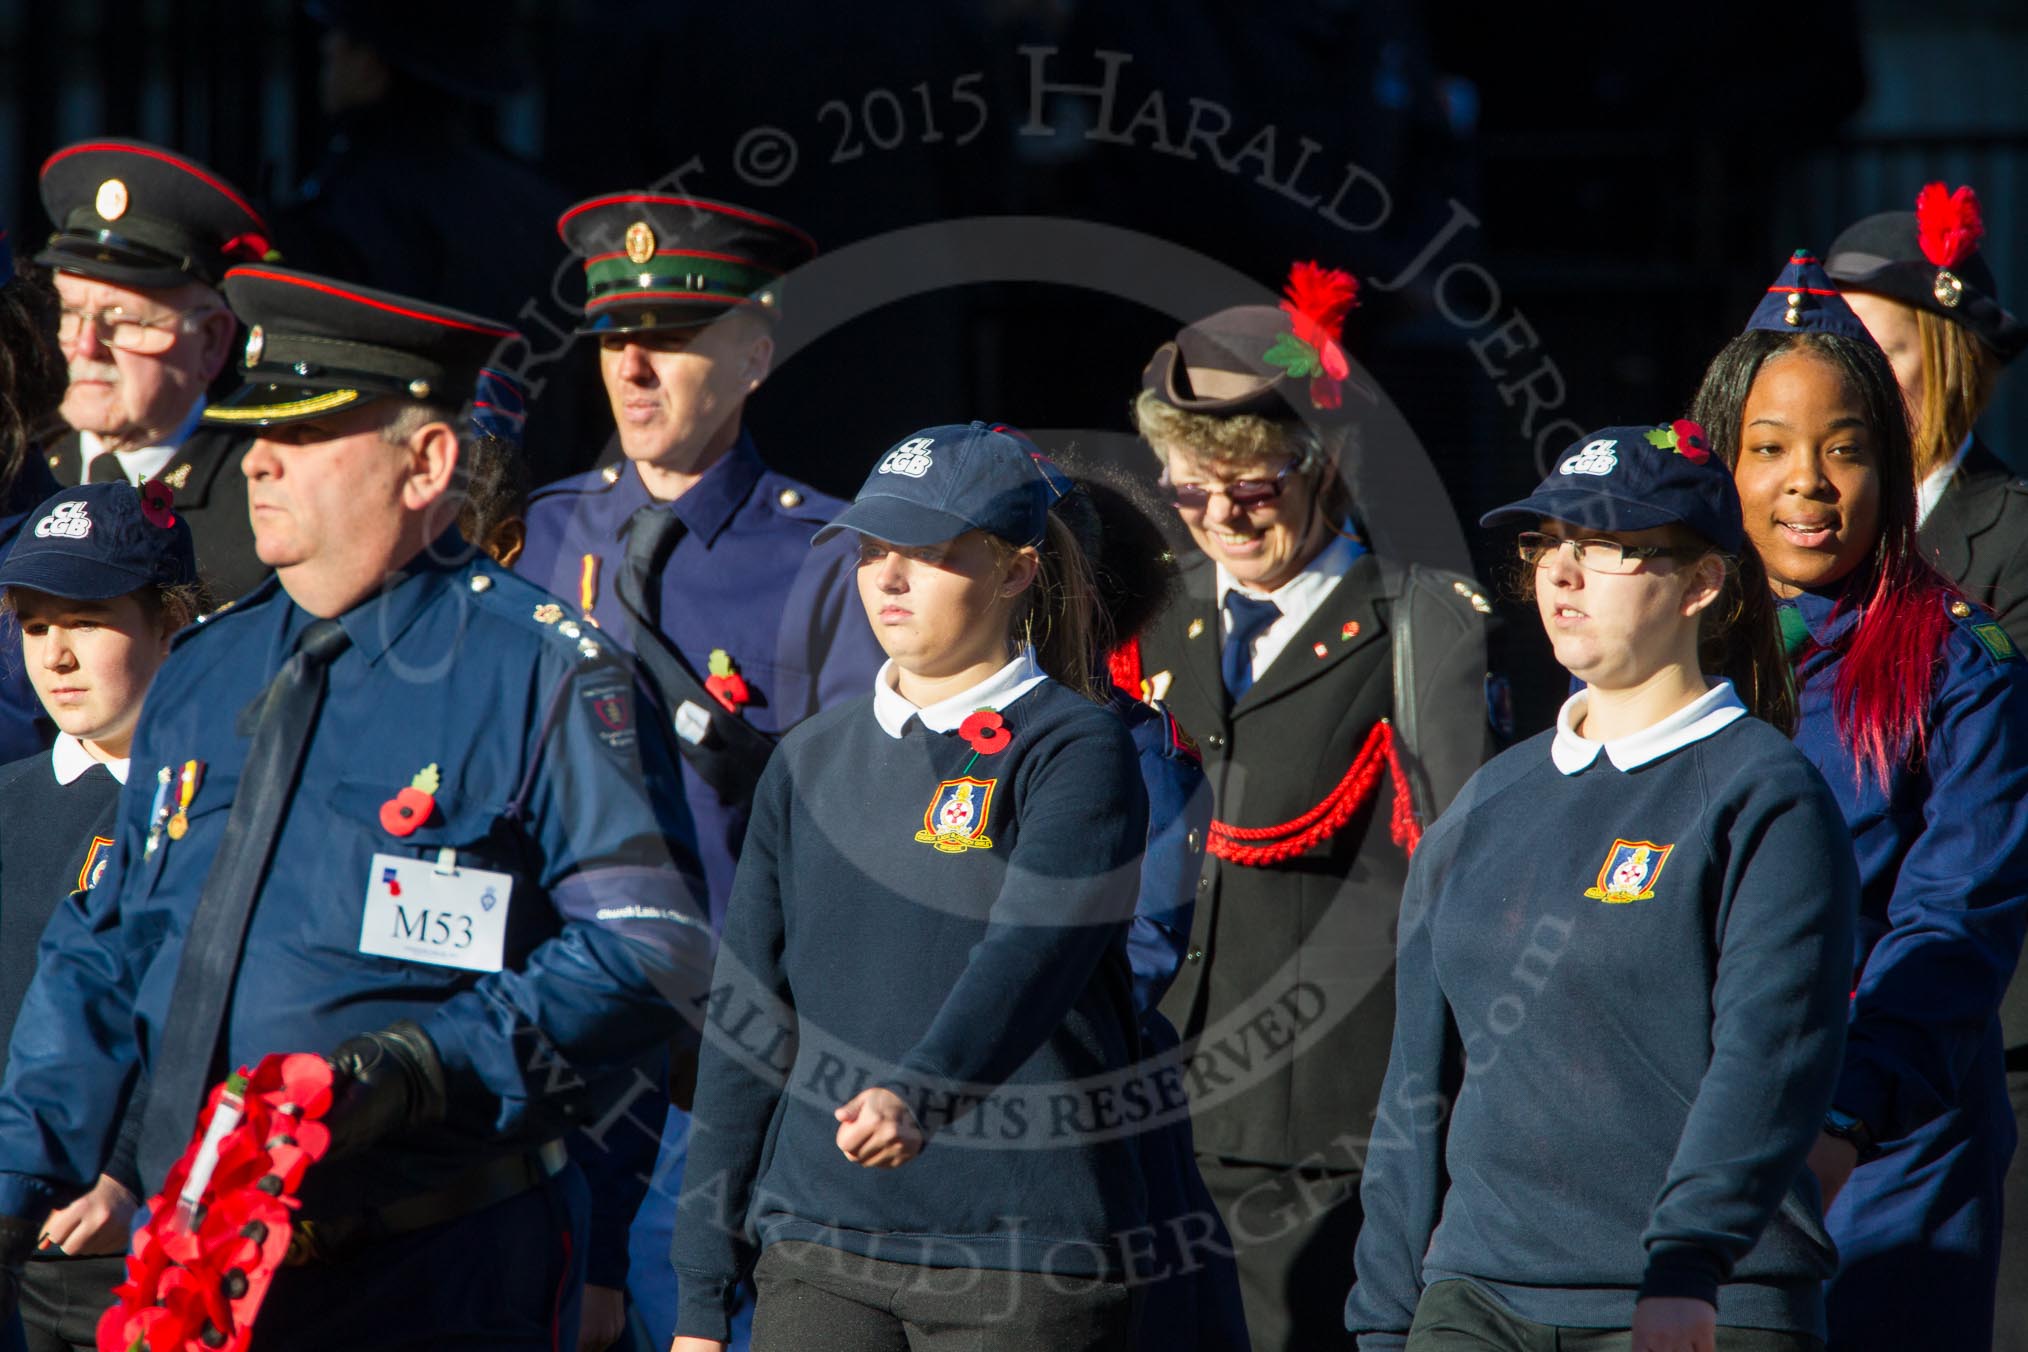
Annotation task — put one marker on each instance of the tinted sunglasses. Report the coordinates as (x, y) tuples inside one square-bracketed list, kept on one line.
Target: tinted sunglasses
[(1241, 493)]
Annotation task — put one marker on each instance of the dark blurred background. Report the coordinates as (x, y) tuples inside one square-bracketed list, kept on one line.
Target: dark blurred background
[(1611, 190)]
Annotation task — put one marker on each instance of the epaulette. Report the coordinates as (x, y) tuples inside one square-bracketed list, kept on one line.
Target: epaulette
[(221, 616), (1466, 589), (514, 598), (801, 502), (1177, 744), (591, 481), (1980, 624)]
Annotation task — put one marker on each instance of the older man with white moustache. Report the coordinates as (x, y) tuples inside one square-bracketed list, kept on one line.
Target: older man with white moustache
[(142, 237)]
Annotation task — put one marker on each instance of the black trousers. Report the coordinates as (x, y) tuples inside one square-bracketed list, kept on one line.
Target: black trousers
[(813, 1298), (1458, 1317), (62, 1299), (507, 1278), (1293, 1230), (2010, 1314)]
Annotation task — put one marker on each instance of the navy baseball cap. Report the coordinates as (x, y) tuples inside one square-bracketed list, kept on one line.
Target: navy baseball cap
[(944, 481), (97, 541), (1637, 478)]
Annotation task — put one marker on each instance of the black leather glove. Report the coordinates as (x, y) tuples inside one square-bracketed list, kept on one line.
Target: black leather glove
[(17, 1241), (390, 1082)]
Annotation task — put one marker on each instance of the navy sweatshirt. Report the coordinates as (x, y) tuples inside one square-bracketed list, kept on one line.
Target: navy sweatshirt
[(1620, 1008), (951, 926), (54, 839)]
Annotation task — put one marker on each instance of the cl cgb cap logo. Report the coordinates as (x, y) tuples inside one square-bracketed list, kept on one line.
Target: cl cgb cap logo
[(1595, 457), (67, 522), (911, 458)]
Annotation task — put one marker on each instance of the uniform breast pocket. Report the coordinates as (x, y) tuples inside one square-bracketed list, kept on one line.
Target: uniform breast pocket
[(440, 887)]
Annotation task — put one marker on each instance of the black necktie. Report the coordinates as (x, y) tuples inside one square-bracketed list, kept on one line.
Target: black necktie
[(183, 1071), (107, 469), (1250, 617), (652, 535), (732, 754)]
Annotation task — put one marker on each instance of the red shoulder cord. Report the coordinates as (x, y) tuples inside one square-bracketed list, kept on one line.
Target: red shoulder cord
[(1259, 846)]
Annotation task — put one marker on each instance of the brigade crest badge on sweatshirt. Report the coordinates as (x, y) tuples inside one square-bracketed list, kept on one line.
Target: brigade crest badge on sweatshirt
[(956, 819), (1630, 871)]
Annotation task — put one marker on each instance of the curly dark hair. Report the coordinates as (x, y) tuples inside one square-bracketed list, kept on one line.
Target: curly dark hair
[(1116, 518), (33, 376)]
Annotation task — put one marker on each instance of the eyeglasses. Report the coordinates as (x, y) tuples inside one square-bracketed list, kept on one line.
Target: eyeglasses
[(1241, 493), (129, 333), (1594, 556)]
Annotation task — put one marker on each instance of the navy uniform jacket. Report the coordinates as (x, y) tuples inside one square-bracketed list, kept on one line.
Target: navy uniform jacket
[(743, 578), (1943, 871), (545, 778)]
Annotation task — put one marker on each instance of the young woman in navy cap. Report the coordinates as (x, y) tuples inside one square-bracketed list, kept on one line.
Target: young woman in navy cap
[(912, 1102), (1914, 705), (98, 581), (1621, 983)]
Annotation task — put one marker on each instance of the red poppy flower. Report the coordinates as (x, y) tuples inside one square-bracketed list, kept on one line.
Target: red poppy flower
[(405, 813), (156, 500), (986, 731), (1691, 442), (730, 690)]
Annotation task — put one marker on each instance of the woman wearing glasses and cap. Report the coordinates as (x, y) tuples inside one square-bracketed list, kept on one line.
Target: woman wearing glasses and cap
[(909, 1120), (1339, 698), (1623, 966)]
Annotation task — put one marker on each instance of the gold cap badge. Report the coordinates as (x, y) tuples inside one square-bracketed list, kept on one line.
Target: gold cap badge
[(1948, 290), (112, 199), (640, 242), (256, 340)]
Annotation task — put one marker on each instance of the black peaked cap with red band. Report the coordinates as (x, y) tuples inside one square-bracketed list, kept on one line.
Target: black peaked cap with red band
[(316, 345), (138, 215), (662, 261)]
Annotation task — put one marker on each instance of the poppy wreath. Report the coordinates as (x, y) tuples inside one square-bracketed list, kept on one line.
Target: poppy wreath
[(197, 1273)]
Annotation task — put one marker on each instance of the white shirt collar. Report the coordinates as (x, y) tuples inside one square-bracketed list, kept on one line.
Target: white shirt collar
[(997, 691), (143, 463), (1931, 490), (1693, 722), (1303, 593), (69, 759)]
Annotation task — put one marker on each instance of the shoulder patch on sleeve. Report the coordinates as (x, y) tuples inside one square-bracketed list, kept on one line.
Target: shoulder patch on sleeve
[(1995, 641)]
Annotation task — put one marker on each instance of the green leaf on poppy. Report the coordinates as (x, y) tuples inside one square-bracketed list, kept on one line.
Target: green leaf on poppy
[(719, 663), (427, 780), (1662, 438), (1295, 356)]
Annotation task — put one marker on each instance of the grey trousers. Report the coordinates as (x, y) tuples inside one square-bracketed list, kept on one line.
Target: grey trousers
[(1458, 1317), (813, 1298)]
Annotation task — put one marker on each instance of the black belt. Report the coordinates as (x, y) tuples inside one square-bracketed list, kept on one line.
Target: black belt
[(329, 1241)]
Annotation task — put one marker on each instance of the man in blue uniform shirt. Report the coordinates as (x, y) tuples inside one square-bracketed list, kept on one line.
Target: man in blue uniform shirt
[(694, 554), (454, 744)]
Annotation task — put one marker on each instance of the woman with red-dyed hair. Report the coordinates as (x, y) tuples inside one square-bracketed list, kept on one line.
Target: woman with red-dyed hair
[(1914, 704)]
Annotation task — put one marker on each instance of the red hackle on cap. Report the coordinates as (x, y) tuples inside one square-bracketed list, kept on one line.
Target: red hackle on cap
[(1319, 298), (1948, 224)]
